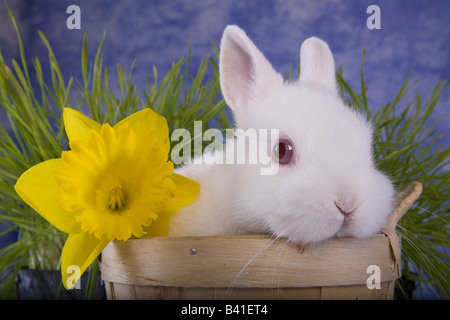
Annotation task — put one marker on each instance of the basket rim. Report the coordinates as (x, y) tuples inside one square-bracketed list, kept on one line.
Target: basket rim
[(247, 261), (169, 261)]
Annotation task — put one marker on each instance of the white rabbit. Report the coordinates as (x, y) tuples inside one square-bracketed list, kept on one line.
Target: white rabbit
[(326, 184)]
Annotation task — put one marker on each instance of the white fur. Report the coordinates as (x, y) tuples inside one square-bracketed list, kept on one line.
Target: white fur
[(333, 155)]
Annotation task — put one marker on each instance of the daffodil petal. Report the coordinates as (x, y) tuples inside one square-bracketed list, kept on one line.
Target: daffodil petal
[(79, 251), (186, 192), (148, 120), (38, 188), (78, 126)]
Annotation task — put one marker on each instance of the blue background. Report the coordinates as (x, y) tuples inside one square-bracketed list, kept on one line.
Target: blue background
[(414, 36)]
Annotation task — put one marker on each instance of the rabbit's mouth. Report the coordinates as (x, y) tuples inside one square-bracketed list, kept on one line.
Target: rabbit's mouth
[(347, 222), (347, 209)]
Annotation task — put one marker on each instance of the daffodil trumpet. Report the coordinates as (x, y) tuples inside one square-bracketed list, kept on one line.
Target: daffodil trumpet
[(114, 183)]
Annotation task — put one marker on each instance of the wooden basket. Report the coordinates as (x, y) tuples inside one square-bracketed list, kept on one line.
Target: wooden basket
[(257, 267)]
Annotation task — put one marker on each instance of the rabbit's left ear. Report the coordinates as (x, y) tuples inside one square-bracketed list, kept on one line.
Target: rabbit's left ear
[(245, 74), (317, 64)]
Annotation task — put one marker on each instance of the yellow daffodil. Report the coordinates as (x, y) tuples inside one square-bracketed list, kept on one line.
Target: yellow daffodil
[(112, 184)]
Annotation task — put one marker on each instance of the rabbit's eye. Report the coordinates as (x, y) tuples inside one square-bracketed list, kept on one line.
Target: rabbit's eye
[(284, 151)]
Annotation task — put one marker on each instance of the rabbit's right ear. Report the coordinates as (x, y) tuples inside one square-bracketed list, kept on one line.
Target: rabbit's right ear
[(245, 74), (317, 64)]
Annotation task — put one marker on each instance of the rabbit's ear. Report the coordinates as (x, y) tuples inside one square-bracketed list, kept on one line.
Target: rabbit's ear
[(317, 64), (245, 74)]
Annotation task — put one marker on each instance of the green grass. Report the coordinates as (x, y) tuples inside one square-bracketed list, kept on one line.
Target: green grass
[(36, 132), (407, 147)]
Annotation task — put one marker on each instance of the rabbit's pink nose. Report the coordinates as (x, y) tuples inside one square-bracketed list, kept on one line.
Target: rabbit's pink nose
[(346, 205)]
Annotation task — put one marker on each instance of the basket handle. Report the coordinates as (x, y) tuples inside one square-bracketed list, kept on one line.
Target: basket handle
[(403, 202)]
